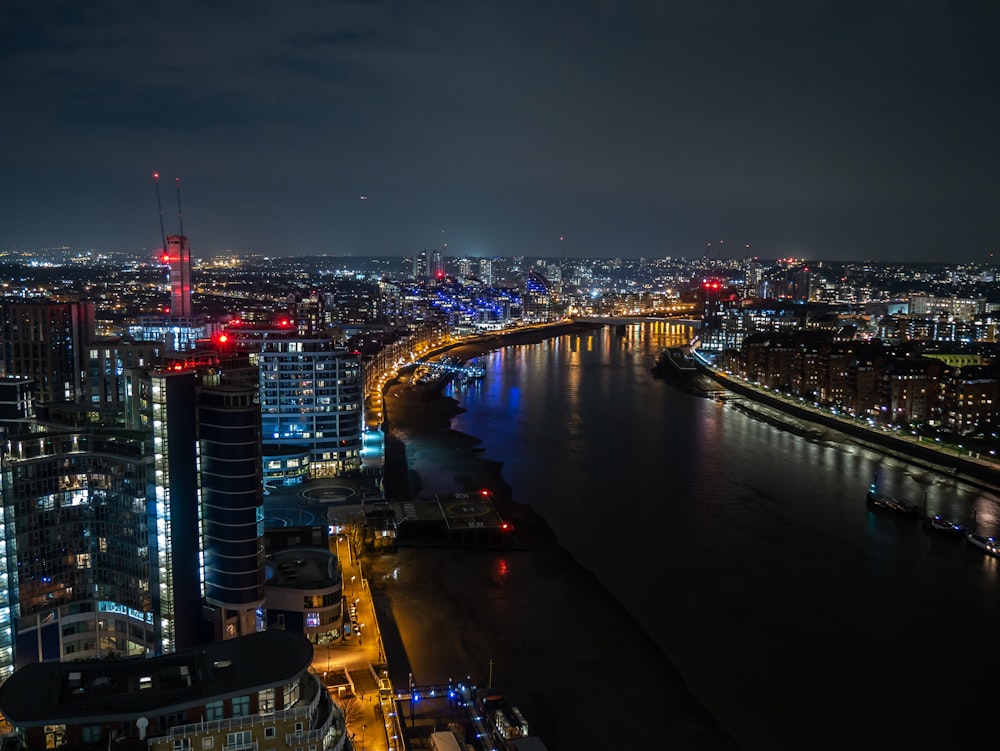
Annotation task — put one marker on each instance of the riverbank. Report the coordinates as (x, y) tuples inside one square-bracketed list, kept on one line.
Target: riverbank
[(978, 471), (422, 409), (528, 615)]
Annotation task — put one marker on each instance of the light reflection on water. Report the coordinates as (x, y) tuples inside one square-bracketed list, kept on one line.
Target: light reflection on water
[(745, 549)]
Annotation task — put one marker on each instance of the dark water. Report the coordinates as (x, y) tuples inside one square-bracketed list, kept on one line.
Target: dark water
[(745, 548)]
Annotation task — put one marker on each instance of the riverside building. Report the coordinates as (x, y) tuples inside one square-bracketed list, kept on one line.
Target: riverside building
[(311, 401), (247, 693), (136, 531)]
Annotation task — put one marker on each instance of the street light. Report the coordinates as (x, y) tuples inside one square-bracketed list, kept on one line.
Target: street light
[(352, 584)]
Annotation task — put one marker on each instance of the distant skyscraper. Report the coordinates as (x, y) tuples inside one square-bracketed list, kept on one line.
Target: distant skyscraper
[(437, 264), (420, 265), (178, 256), (179, 330)]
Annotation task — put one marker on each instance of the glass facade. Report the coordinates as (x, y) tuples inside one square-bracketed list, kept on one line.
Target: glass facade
[(75, 556), (311, 395)]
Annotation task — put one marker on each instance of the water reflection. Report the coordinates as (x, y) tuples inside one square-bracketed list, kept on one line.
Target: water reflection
[(781, 587)]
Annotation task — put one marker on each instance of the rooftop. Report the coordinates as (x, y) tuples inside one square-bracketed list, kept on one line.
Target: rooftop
[(110, 690)]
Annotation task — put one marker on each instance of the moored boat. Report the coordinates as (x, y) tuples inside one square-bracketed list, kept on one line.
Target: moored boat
[(890, 503), (989, 544), (947, 526)]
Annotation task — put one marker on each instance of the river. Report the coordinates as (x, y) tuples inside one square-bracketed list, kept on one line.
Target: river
[(743, 545)]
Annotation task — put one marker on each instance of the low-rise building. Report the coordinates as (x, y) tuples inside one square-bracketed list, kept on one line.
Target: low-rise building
[(251, 692)]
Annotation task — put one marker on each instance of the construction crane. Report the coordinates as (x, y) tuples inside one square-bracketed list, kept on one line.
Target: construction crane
[(159, 206), (180, 214)]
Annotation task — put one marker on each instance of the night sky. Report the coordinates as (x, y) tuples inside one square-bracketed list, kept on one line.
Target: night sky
[(823, 130)]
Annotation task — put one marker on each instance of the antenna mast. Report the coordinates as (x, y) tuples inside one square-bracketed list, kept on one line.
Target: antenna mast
[(180, 214), (163, 235)]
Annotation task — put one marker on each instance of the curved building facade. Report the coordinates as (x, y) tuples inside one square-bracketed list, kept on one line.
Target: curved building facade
[(231, 507), (253, 692), (311, 397)]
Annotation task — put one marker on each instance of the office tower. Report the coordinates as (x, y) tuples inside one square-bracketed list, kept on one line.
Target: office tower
[(45, 342)]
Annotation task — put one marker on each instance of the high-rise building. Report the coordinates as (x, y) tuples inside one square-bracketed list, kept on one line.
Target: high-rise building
[(311, 396), (178, 256), (437, 264), (420, 265), (134, 531), (46, 342), (178, 328)]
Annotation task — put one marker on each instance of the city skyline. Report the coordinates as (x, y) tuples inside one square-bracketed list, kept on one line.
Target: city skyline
[(548, 130)]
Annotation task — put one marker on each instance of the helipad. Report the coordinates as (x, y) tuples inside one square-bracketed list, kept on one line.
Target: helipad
[(465, 511)]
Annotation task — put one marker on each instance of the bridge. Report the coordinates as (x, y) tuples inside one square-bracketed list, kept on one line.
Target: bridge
[(695, 323)]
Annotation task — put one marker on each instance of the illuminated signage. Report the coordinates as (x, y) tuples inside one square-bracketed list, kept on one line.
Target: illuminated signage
[(107, 606)]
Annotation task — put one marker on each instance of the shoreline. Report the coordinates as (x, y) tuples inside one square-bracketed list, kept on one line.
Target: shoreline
[(428, 410), (552, 634)]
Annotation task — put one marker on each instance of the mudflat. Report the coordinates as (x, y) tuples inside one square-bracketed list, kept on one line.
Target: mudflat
[(520, 612)]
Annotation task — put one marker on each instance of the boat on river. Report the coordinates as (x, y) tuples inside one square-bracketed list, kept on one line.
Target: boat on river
[(990, 544), (939, 523), (889, 502)]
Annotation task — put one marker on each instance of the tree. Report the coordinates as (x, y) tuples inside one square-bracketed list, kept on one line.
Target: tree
[(352, 709)]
